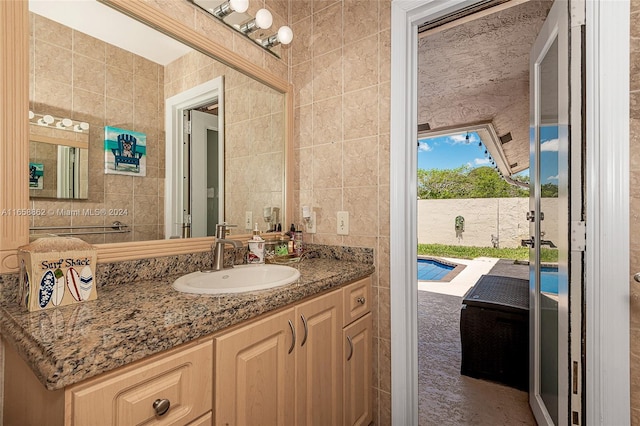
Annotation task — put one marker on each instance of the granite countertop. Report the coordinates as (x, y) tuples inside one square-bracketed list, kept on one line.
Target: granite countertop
[(133, 320)]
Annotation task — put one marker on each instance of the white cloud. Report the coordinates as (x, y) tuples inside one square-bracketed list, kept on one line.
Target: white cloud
[(481, 161), (458, 139), (552, 178), (549, 145), (423, 146), (462, 138)]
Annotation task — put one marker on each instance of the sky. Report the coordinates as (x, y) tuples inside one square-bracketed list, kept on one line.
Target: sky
[(450, 152)]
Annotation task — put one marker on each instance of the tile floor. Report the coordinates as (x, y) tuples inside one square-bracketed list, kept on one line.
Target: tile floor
[(447, 397)]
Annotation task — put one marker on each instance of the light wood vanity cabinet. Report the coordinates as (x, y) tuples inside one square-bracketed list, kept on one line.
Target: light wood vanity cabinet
[(291, 367), (309, 364)]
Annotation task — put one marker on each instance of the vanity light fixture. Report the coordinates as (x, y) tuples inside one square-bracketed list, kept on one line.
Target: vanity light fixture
[(283, 36), (262, 21), (233, 14), (228, 7), (60, 123)]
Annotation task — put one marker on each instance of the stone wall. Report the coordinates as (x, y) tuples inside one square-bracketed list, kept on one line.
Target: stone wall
[(503, 219)]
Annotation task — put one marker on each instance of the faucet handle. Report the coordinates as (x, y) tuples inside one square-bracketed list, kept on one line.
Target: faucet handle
[(221, 229)]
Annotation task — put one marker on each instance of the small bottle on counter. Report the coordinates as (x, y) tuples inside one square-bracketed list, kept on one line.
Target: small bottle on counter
[(256, 247)]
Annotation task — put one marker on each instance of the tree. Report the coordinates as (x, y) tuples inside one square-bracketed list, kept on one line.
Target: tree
[(549, 190), (465, 182)]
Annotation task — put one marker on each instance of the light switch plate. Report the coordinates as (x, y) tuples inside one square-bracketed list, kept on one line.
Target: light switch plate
[(248, 220), (343, 223)]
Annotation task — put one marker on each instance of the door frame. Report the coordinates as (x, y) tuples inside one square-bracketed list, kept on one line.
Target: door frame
[(607, 396), (195, 97)]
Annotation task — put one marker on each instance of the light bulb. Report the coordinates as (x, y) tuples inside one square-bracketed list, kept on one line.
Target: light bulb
[(81, 127), (45, 120), (285, 35), (228, 7), (263, 19), (65, 122), (239, 6)]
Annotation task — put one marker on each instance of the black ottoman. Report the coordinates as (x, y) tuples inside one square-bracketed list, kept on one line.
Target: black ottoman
[(494, 331)]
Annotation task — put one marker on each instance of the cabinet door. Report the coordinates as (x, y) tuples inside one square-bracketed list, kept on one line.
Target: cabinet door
[(358, 372), (182, 380), (254, 371), (319, 363)]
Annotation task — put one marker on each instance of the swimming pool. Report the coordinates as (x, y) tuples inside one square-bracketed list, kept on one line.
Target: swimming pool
[(549, 280), (432, 270)]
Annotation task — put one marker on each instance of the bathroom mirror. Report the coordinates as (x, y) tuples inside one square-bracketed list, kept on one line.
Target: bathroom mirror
[(58, 158), (97, 77), (177, 19)]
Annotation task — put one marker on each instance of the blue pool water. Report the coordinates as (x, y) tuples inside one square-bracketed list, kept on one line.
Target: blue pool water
[(549, 280), (432, 270)]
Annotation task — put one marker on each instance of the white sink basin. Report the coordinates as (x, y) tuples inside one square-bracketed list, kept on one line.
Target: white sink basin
[(239, 279)]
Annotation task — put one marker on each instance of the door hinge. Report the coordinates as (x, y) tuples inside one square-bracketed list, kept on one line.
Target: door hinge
[(187, 126), (578, 235)]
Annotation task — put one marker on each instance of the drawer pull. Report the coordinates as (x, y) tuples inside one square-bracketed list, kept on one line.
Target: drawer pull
[(293, 337), (350, 348), (161, 406), (361, 300)]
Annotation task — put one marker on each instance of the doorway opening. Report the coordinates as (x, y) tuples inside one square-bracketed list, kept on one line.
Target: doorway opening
[(606, 110), (473, 76), (194, 181)]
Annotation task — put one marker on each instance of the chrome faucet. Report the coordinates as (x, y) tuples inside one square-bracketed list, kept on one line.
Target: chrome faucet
[(218, 246)]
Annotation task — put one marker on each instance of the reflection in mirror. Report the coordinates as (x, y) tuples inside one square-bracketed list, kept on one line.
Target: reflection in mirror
[(106, 83), (58, 157)]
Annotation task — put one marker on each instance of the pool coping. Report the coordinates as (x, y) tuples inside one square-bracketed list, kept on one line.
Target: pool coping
[(457, 268)]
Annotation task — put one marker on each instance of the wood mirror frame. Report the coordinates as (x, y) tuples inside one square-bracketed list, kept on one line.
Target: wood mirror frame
[(14, 129)]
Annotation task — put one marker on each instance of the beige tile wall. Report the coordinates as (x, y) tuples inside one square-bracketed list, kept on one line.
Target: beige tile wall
[(634, 207), (340, 64), (76, 76)]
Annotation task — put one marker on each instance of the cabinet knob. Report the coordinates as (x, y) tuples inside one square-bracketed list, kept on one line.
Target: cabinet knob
[(361, 300), (161, 406)]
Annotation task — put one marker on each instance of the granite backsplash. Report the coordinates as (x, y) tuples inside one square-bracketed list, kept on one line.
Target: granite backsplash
[(159, 267)]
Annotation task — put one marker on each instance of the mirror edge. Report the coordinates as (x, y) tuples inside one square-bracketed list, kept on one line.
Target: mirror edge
[(14, 126), (14, 82)]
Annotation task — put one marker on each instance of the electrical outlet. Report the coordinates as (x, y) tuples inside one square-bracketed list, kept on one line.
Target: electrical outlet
[(343, 223), (310, 226), (248, 220)]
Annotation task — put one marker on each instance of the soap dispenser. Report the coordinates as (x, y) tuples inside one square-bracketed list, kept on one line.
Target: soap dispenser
[(256, 247)]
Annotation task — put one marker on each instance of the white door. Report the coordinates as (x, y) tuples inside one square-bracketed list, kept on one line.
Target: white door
[(204, 174), (550, 389)]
